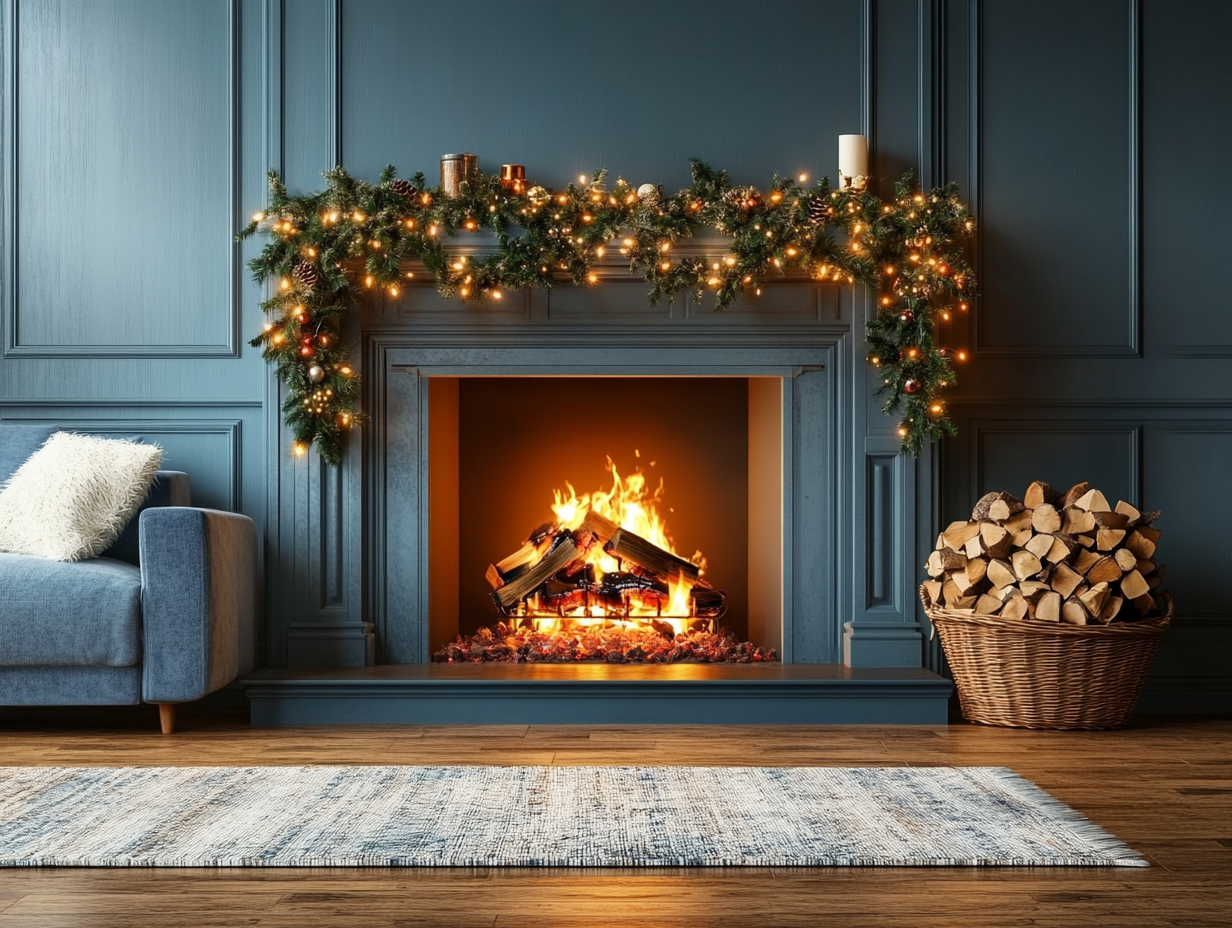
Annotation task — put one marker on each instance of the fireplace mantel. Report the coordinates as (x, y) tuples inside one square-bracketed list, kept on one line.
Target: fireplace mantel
[(358, 587)]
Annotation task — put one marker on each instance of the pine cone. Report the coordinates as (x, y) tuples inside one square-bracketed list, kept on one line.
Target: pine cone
[(818, 211), (307, 274), (742, 197), (404, 188)]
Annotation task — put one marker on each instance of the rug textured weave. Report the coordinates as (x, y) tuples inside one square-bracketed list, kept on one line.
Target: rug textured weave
[(540, 816)]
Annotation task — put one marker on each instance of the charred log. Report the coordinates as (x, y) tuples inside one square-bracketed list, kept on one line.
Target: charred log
[(562, 553), (651, 558)]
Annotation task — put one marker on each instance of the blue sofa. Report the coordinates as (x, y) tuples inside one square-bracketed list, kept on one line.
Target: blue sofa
[(165, 616)]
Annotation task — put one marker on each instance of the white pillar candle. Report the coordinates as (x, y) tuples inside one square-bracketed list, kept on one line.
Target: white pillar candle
[(853, 156)]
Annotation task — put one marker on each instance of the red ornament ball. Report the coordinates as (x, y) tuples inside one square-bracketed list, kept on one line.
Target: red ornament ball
[(912, 386), (906, 315)]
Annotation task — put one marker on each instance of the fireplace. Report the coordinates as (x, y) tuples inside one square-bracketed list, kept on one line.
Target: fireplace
[(614, 519), (749, 501), (754, 420)]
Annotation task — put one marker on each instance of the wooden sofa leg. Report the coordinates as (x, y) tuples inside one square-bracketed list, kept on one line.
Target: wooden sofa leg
[(166, 716)]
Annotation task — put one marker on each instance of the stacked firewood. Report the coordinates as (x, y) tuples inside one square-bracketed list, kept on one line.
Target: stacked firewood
[(1050, 557), (552, 569)]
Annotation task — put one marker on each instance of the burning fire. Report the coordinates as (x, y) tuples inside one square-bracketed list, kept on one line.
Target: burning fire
[(632, 505), (603, 582)]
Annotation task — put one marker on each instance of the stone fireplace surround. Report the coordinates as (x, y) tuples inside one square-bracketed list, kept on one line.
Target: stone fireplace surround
[(845, 624)]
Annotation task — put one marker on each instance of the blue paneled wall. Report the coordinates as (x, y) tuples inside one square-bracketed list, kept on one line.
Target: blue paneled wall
[(1090, 137)]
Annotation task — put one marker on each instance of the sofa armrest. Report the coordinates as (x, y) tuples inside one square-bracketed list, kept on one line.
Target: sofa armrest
[(198, 596)]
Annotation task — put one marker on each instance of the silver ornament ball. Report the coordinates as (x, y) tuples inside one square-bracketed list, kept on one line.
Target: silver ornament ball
[(316, 373), (648, 193)]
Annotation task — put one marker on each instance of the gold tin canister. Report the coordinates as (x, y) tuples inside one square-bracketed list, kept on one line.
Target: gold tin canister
[(455, 169)]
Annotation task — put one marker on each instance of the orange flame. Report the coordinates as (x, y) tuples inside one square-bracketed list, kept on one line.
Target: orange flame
[(633, 505)]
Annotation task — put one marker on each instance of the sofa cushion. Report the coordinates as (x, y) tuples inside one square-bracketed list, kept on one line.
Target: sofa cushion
[(17, 443), (56, 614), (74, 496)]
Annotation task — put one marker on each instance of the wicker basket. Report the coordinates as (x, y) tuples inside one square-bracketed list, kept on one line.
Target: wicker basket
[(1032, 675)]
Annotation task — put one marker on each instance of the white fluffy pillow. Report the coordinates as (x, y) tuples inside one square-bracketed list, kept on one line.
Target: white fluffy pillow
[(74, 496)]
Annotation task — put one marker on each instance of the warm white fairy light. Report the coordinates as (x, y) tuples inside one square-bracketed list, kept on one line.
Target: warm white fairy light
[(787, 221)]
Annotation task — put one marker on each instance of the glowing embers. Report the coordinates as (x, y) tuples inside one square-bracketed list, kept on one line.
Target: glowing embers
[(616, 641), (603, 582)]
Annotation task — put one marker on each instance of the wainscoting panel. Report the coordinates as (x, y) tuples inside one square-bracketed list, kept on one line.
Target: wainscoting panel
[(1185, 470), (879, 526), (309, 83), (1185, 68), (884, 631), (206, 442), (1008, 456), (1056, 123), (121, 179)]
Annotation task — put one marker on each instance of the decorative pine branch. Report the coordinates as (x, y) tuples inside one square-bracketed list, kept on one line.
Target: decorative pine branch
[(353, 237)]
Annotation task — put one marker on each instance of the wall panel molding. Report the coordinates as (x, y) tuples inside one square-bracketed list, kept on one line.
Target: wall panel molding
[(230, 431), (1131, 344), (982, 430), (14, 346), (1204, 469), (931, 80), (332, 544), (879, 531), (133, 402)]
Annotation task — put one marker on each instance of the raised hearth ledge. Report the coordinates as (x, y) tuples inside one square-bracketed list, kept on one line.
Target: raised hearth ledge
[(599, 694)]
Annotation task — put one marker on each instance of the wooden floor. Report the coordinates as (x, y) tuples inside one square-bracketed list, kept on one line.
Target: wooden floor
[(1163, 786)]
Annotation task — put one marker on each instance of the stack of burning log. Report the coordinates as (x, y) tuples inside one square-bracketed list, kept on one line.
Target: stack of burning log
[(553, 573), (558, 606)]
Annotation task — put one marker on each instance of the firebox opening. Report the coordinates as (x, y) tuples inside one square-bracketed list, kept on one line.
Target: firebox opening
[(502, 448)]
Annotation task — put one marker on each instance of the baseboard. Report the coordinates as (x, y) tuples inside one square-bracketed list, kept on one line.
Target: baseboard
[(1209, 696)]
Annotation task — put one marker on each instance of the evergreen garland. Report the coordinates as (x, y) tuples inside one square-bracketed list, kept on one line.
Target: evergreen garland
[(354, 236)]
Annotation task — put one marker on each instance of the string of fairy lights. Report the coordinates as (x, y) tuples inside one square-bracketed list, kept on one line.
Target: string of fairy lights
[(353, 238)]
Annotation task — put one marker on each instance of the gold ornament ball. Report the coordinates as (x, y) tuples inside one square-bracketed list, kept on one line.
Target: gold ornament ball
[(316, 373), (538, 195), (648, 193)]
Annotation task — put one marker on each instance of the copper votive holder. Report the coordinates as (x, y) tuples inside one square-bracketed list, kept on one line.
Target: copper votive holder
[(513, 177)]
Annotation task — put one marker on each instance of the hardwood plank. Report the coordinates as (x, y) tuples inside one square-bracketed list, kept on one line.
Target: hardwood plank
[(1161, 786)]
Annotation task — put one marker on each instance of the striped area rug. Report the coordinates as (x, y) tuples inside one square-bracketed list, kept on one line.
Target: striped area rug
[(540, 817)]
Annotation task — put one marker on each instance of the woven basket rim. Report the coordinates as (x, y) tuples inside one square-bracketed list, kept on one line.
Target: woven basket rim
[(1140, 628)]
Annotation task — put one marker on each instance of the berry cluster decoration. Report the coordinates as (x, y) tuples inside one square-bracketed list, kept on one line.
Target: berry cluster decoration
[(355, 237)]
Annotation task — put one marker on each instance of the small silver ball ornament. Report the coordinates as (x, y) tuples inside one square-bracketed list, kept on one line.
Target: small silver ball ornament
[(648, 194), (316, 373)]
